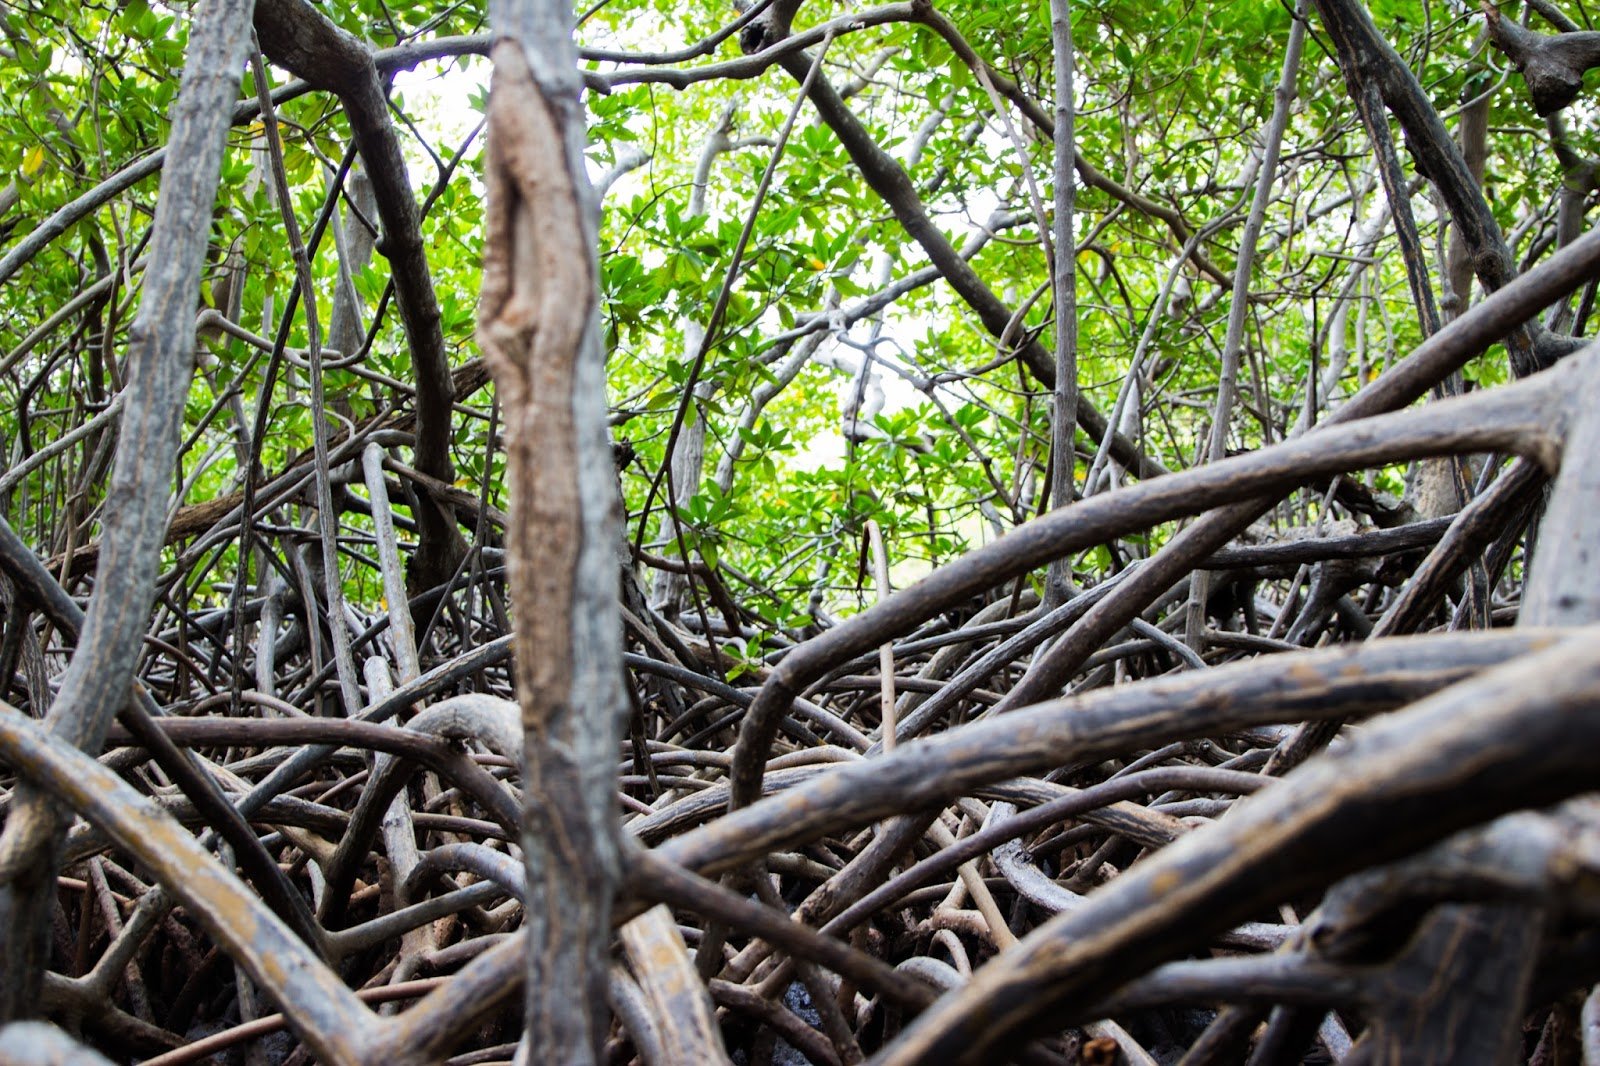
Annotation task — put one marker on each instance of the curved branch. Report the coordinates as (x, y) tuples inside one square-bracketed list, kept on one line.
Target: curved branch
[(1518, 736), (1320, 684), (1551, 64), (325, 1013), (1528, 416)]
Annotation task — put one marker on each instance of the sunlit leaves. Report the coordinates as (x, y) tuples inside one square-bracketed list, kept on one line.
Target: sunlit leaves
[(1171, 100)]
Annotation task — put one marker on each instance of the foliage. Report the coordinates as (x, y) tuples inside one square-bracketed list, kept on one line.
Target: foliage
[(1170, 102), (786, 363)]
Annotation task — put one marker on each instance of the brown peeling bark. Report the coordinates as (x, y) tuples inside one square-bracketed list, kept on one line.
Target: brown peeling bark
[(537, 294), (536, 327)]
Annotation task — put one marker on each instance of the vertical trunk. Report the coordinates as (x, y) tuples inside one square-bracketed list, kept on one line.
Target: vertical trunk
[(688, 456), (160, 366), (355, 240), (1233, 343), (539, 332), (1065, 420)]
